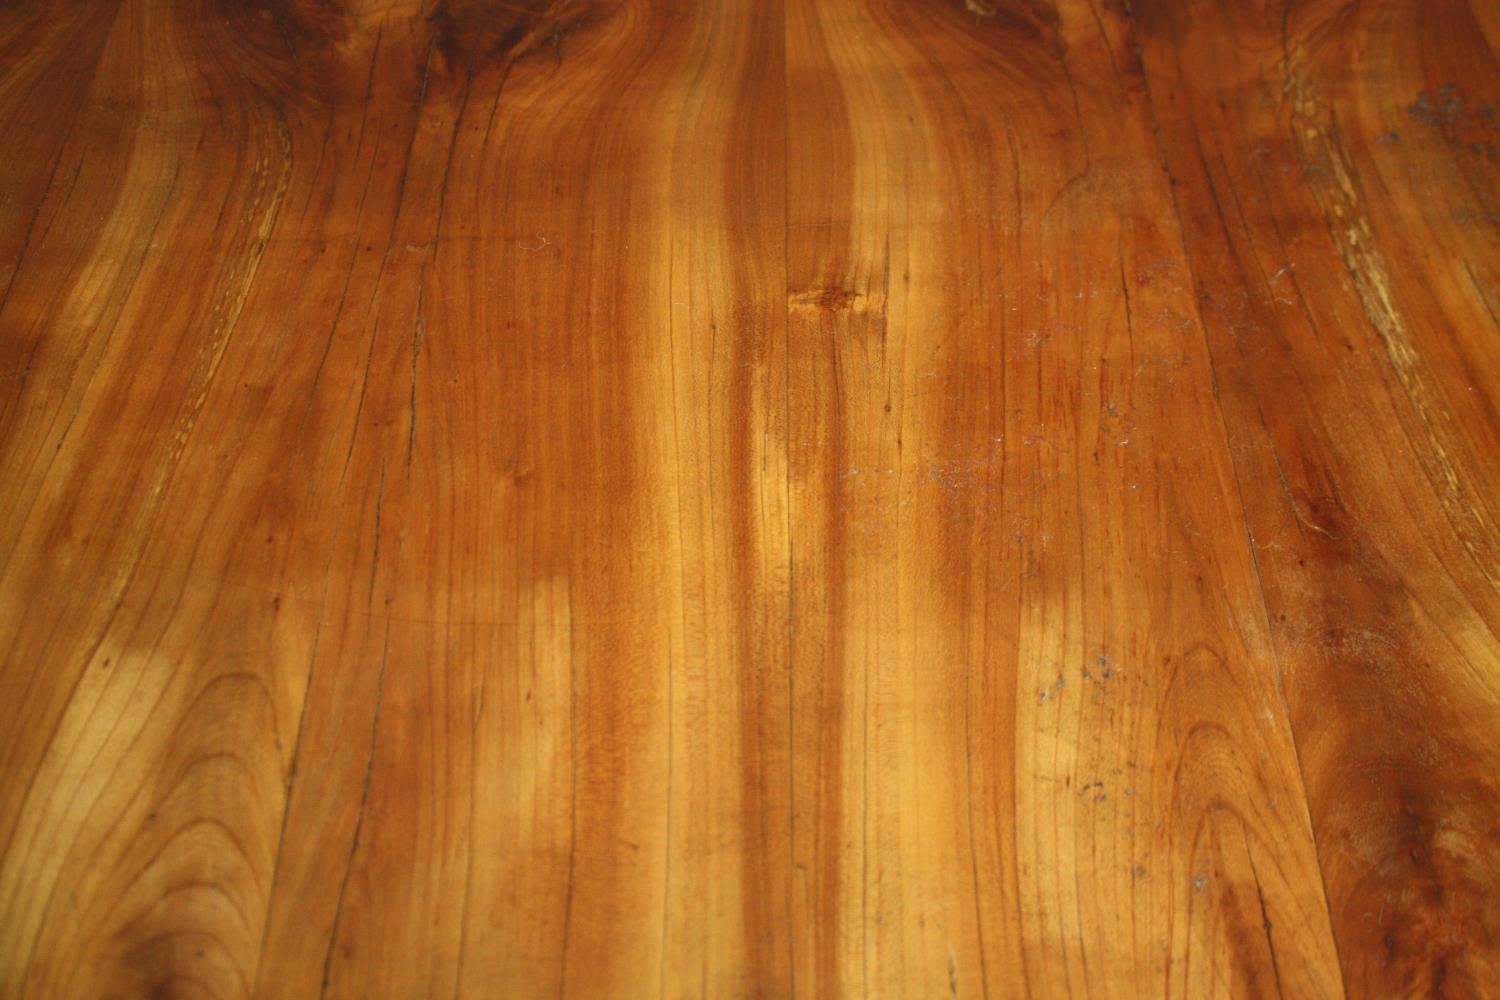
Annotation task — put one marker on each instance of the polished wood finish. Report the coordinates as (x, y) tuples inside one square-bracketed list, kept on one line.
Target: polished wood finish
[(749, 497)]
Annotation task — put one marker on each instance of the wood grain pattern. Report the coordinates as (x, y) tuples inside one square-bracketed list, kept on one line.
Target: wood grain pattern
[(749, 498)]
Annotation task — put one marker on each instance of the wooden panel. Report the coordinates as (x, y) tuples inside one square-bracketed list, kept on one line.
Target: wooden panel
[(1039, 775), (1348, 316), (838, 498)]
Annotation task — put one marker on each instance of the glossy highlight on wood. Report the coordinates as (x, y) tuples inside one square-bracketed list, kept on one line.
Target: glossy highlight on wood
[(825, 498)]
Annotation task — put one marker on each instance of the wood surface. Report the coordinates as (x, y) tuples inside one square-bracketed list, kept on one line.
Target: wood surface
[(716, 498)]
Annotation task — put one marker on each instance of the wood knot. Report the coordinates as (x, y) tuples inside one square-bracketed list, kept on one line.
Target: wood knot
[(836, 300), (473, 34)]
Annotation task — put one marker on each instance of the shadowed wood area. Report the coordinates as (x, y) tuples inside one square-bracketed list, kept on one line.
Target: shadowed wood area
[(825, 498)]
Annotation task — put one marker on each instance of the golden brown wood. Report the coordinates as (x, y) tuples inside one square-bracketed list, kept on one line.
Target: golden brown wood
[(750, 497)]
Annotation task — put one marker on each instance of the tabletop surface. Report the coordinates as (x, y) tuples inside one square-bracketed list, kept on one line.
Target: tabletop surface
[(718, 498)]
